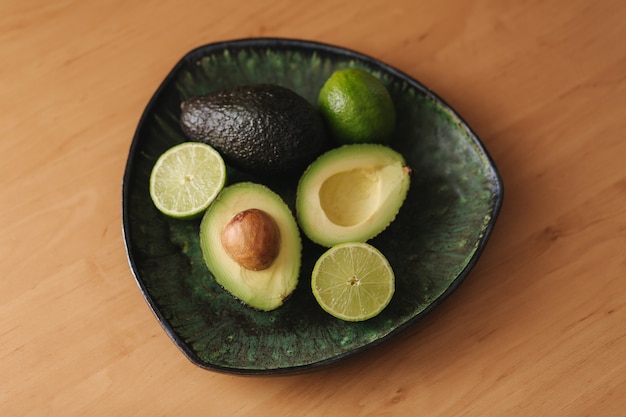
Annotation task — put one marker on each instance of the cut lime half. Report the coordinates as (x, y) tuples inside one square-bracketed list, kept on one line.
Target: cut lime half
[(186, 179), (353, 281)]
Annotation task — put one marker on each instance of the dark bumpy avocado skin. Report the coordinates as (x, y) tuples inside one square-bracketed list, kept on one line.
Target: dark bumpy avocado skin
[(262, 129)]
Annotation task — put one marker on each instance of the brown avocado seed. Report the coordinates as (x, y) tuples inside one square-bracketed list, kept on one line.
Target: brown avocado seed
[(252, 239)]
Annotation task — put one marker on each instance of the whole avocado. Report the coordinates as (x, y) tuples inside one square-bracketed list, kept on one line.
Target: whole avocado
[(262, 129)]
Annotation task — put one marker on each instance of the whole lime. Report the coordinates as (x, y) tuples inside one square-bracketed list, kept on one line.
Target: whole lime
[(357, 107)]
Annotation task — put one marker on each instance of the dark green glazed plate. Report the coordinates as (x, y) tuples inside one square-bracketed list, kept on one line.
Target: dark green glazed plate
[(455, 197)]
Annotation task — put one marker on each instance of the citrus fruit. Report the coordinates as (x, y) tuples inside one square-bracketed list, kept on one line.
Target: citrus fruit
[(357, 107), (186, 178), (353, 281)]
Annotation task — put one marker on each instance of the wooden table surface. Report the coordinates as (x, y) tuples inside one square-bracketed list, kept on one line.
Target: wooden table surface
[(537, 329)]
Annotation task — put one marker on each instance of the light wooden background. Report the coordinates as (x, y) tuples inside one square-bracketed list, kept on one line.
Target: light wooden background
[(538, 328)]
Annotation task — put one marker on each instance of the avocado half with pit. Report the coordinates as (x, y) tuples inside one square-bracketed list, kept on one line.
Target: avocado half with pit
[(251, 244), (351, 193)]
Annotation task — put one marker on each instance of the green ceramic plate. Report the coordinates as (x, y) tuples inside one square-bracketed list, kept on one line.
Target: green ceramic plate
[(455, 197)]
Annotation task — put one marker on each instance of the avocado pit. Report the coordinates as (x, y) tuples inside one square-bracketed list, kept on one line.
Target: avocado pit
[(252, 239)]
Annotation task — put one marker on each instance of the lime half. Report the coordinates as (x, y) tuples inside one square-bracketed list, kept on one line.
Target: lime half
[(353, 281), (186, 179)]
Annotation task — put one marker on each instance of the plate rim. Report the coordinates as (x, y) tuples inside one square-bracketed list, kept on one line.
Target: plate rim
[(310, 45)]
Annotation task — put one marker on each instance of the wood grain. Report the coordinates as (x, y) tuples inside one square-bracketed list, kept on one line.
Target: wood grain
[(539, 327)]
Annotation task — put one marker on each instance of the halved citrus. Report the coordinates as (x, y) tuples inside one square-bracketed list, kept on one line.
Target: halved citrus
[(186, 178), (353, 281)]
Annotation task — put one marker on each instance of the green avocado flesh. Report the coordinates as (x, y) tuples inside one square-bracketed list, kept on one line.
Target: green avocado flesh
[(262, 129), (351, 193), (264, 289)]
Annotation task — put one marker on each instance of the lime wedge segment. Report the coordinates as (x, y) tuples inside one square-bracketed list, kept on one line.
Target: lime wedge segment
[(353, 281), (186, 178)]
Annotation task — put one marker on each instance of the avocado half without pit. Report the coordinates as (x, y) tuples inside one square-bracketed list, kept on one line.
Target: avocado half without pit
[(251, 244), (351, 193)]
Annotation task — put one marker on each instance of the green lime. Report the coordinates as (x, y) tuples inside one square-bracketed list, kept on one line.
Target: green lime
[(186, 179), (353, 281), (357, 107)]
